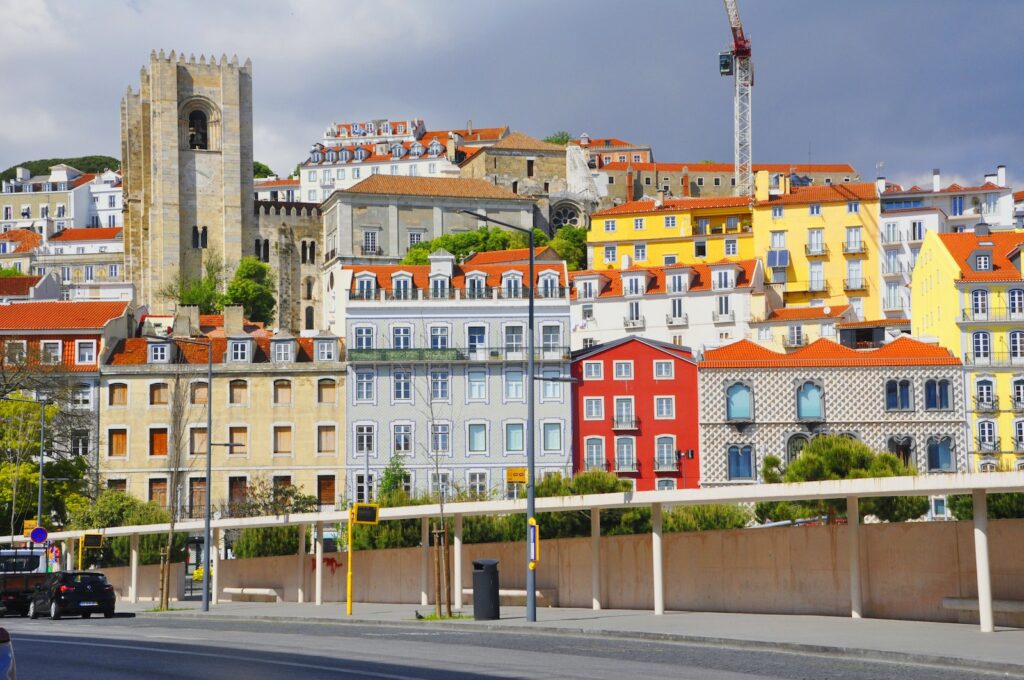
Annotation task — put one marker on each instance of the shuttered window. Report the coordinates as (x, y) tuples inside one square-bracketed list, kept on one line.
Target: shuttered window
[(117, 394), (325, 439), (117, 443), (158, 442), (282, 440)]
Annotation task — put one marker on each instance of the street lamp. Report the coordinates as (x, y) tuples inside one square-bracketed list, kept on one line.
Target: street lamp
[(531, 491), (208, 344)]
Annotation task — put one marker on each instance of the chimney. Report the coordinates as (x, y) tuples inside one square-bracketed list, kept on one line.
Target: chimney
[(21, 174), (686, 181), (936, 180), (181, 327), (469, 128), (990, 177), (233, 321), (880, 185), (1001, 175), (629, 183), (660, 200)]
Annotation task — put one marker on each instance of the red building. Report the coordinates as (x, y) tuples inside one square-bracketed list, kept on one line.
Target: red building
[(635, 413)]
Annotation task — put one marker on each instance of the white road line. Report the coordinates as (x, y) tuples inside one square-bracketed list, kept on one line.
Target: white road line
[(237, 657)]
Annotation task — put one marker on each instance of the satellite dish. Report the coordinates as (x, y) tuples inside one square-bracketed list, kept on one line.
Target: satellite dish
[(827, 310)]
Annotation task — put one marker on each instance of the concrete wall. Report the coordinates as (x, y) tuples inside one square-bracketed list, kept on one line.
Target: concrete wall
[(907, 570), (149, 581)]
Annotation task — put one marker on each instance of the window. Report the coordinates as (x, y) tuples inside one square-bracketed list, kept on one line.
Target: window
[(1017, 345), (282, 352), (595, 453), (14, 352), (158, 394), (514, 385), (551, 390), (439, 384), (610, 255), (401, 385), (984, 394), (731, 247), (670, 221), (593, 408), (664, 453), (593, 370), (326, 390), (700, 249), (809, 401), (956, 206), (477, 379), (117, 443), (897, 395), (365, 380), (401, 440), (439, 337), (85, 352), (158, 441), (814, 209), (979, 303), (478, 483), (364, 337), (282, 436), (440, 438), (609, 226), (741, 462), (364, 486), (238, 437), (90, 272), (240, 351), (937, 395), (940, 454), (852, 207), (625, 455), (902, 448), (476, 438), (117, 394), (238, 392), (640, 252), (1016, 302), (982, 344), (365, 440), (283, 392), (638, 223), (776, 212), (723, 280), (664, 408), (50, 351), (739, 402), (663, 370), (476, 337), (513, 338), (326, 440), (552, 437), (158, 492), (623, 370), (983, 263), (325, 350), (440, 483), (514, 438), (624, 412)]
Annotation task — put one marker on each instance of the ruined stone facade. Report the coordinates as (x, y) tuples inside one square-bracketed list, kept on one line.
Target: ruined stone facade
[(186, 149), (289, 241)]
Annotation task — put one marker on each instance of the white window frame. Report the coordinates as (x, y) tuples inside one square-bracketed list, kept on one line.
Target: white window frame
[(672, 403), (43, 344), (662, 363), (598, 375), (561, 437), (599, 411), (487, 437), (81, 344), (622, 363)]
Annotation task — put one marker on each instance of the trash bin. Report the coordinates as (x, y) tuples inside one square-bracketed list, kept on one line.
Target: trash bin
[(485, 590)]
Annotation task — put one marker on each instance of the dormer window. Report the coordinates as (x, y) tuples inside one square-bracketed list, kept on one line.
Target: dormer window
[(549, 286), (282, 352), (677, 283), (416, 150), (476, 287), (325, 350), (723, 279), (397, 151), (982, 263), (634, 285), (438, 287), (434, 149), (159, 354), (365, 286), (513, 286), (362, 154), (402, 286), (315, 157), (588, 290), (238, 351), (345, 155)]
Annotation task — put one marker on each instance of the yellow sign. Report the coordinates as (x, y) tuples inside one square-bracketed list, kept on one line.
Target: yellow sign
[(365, 513), (515, 475), (29, 525), (92, 541), (533, 542)]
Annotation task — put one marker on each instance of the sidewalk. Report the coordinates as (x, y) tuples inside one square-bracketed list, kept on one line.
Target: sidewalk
[(961, 645)]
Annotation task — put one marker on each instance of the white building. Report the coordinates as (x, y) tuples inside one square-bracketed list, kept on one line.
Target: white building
[(106, 203), (908, 214), (278, 190), (350, 152), (692, 305)]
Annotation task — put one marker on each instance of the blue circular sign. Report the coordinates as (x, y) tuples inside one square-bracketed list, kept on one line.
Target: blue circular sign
[(38, 535)]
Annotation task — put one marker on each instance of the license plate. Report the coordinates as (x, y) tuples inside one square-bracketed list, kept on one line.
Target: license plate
[(88, 604)]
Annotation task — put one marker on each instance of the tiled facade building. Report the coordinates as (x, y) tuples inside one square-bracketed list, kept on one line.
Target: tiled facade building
[(905, 397)]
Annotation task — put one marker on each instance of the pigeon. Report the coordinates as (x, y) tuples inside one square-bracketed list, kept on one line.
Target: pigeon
[(418, 615)]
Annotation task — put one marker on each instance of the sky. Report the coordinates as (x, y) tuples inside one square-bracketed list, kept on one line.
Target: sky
[(912, 85)]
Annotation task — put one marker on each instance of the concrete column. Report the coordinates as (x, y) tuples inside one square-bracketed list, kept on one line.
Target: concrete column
[(300, 571), (853, 529), (437, 227), (319, 571), (981, 560), (595, 557), (457, 565), (133, 587), (659, 585), (424, 561), (218, 545), (394, 245)]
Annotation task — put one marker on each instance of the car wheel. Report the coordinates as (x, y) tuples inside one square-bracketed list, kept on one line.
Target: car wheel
[(109, 614), (86, 615), (33, 613), (54, 611)]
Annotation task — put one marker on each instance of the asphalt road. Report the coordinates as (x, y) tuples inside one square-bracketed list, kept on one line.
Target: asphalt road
[(98, 649)]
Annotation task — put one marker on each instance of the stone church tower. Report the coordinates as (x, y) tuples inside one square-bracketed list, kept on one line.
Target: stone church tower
[(186, 149)]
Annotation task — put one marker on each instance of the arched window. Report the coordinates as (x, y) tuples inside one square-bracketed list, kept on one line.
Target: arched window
[(198, 132), (304, 257), (984, 395), (238, 392), (902, 448), (312, 252), (595, 454), (1018, 394), (809, 401), (982, 344), (1017, 345), (987, 436), (258, 248), (159, 394), (741, 462), (1015, 298), (979, 304), (199, 393), (937, 395), (795, 446), (309, 318), (282, 392), (739, 402), (203, 242), (987, 466), (897, 395), (195, 237), (266, 250), (326, 391), (940, 454)]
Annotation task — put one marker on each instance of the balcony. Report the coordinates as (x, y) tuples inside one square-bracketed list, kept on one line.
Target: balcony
[(993, 359), (625, 464), (854, 248), (665, 464), (855, 284), (478, 293), (816, 250), (1018, 445), (892, 305), (994, 314), (675, 321), (895, 269), (596, 465), (723, 317), (455, 354), (634, 324), (368, 251), (817, 286), (1017, 404), (792, 342), (987, 446), (625, 423), (986, 404), (892, 240)]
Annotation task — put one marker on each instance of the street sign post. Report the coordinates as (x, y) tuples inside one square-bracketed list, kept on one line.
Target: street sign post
[(515, 475), (38, 535), (533, 542), (27, 526)]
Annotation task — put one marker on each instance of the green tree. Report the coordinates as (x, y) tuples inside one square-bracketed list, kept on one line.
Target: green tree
[(561, 138), (252, 288), (460, 244), (204, 292), (571, 245), (10, 271), (82, 163), (1000, 506), (118, 509), (392, 481), (261, 170), (832, 457), (263, 498)]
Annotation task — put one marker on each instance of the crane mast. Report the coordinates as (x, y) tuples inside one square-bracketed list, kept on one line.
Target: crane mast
[(737, 63)]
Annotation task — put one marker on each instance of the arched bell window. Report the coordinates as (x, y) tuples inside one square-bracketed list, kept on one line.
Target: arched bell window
[(198, 130)]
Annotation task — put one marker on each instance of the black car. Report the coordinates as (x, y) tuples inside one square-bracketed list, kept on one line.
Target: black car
[(73, 592)]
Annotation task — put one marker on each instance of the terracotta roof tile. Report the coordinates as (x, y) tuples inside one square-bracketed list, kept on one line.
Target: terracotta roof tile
[(510, 255), (25, 238), (59, 315), (134, 351), (700, 278), (17, 285), (88, 234), (699, 168), (266, 184), (875, 323), (829, 193), (962, 245), (647, 206), (951, 189), (1018, 196), (431, 186), (824, 353), (492, 134), (804, 313), (421, 273)]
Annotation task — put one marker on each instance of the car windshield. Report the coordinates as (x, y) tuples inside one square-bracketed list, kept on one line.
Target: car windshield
[(16, 563), (88, 579)]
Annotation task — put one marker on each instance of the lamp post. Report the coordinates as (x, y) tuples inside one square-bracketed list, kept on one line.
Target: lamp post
[(531, 491)]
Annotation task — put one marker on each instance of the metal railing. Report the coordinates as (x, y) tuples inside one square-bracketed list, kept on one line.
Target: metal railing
[(855, 284), (596, 465), (790, 341), (817, 250), (665, 464), (895, 269), (990, 446), (625, 464), (1017, 404), (992, 314), (722, 317), (993, 359), (363, 250), (853, 248), (987, 404), (680, 320), (634, 323), (449, 354), (625, 423), (817, 286)]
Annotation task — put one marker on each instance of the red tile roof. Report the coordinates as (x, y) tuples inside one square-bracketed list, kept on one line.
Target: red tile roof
[(903, 351), (17, 285), (803, 314), (264, 184), (517, 141), (610, 143), (88, 234), (961, 246), (478, 135), (648, 206), (953, 188), (511, 255), (1018, 196), (656, 283), (700, 168), (432, 186), (421, 273), (826, 193), (874, 323), (59, 315), (134, 352), (25, 238)]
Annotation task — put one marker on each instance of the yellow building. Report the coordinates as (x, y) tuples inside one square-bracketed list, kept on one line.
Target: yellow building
[(821, 244), (663, 232), (967, 291), (277, 400)]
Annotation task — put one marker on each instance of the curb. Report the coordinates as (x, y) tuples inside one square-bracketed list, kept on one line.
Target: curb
[(865, 654)]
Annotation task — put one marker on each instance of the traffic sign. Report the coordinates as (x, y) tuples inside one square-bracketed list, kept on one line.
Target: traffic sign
[(515, 475), (27, 526), (92, 541), (38, 535), (533, 542), (365, 513)]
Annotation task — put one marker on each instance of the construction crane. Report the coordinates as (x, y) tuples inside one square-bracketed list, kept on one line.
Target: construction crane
[(736, 62)]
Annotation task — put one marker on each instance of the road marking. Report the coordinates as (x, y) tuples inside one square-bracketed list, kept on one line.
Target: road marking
[(238, 657)]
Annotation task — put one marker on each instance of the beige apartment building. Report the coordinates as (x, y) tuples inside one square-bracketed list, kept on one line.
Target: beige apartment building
[(277, 411)]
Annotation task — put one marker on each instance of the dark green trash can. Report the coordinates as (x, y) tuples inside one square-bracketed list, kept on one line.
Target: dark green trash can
[(485, 590)]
